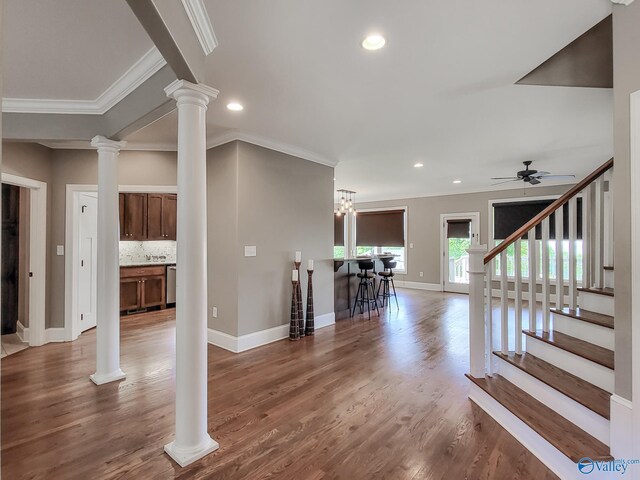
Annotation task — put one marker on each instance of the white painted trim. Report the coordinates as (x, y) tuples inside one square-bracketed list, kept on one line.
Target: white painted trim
[(22, 332), (621, 427), (263, 337), (586, 331), (432, 287), (233, 135), (86, 145), (555, 460), (635, 265), (475, 223), (136, 75), (201, 23), (576, 413), (58, 334), (37, 254), (72, 232)]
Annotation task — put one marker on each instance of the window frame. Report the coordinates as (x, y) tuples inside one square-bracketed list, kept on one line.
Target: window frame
[(376, 248)]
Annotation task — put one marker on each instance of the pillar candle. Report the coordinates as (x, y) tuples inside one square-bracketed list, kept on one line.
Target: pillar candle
[(298, 256), (294, 275), (310, 265)]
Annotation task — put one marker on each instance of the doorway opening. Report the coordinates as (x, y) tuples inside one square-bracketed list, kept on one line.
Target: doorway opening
[(23, 263), (459, 232)]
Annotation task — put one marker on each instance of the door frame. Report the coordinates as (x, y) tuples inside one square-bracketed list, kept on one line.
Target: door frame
[(475, 222), (71, 240), (37, 254)]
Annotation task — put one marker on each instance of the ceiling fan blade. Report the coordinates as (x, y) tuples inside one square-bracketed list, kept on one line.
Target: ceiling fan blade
[(540, 173), (505, 178), (507, 181), (557, 176)]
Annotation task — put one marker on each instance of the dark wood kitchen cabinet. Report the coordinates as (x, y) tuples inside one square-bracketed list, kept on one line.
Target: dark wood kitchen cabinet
[(133, 216), (142, 287), (161, 216)]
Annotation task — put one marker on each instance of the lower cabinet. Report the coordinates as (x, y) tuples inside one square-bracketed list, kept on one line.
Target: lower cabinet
[(142, 287)]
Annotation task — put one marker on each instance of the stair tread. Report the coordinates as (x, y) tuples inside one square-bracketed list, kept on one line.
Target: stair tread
[(595, 353), (569, 439), (594, 398), (600, 291), (586, 316)]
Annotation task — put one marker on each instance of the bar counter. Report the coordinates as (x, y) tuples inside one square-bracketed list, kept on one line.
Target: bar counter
[(345, 282)]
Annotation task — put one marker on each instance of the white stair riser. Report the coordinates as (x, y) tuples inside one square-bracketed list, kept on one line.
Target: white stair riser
[(579, 415), (553, 458), (594, 373), (586, 331), (609, 279), (596, 303)]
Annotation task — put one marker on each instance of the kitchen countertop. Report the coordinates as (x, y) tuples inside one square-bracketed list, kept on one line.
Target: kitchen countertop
[(148, 264)]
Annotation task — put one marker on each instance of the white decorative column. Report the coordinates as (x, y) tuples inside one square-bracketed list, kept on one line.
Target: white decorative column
[(192, 440), (108, 301)]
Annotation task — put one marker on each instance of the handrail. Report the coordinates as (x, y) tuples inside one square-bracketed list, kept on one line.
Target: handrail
[(519, 233)]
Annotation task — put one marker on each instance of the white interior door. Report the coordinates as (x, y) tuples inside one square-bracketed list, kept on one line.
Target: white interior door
[(88, 259), (459, 232)]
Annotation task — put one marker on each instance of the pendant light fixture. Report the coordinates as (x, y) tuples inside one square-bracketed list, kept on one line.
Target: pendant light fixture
[(347, 202)]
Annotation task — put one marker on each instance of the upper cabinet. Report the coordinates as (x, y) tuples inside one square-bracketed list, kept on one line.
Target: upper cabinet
[(161, 216), (148, 216)]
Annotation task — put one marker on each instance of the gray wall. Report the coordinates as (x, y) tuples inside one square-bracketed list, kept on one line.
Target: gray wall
[(423, 224), (626, 80), (280, 204)]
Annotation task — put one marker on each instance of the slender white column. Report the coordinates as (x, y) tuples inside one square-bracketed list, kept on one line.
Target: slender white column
[(108, 301), (192, 441)]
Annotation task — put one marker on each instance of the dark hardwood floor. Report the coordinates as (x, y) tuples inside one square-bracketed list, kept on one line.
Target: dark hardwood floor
[(380, 399)]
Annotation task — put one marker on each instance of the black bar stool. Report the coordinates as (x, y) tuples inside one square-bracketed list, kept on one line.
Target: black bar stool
[(386, 278), (366, 294)]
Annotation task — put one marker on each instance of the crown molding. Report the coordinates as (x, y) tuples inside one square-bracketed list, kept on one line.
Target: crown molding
[(141, 71), (86, 145), (233, 135), (201, 23), (623, 2)]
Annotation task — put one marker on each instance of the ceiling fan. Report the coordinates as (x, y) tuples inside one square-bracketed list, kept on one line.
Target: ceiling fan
[(533, 177)]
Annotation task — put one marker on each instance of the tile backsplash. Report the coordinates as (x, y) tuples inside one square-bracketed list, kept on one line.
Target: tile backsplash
[(134, 253)]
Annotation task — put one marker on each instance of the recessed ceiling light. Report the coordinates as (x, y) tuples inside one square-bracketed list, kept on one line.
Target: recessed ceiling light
[(457, 181), (418, 165), (373, 42), (235, 107)]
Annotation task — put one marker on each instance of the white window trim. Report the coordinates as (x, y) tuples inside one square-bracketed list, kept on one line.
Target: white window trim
[(525, 280), (406, 222)]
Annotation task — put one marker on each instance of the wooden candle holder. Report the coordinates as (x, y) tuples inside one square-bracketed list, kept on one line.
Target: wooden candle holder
[(310, 326), (300, 308), (294, 325)]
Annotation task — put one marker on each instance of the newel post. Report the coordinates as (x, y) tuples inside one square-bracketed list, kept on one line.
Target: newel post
[(476, 310)]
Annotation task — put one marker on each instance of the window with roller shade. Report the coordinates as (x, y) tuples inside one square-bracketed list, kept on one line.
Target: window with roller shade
[(338, 236), (382, 231), (509, 216)]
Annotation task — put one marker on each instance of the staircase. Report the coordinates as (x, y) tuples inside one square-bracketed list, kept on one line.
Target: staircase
[(543, 367)]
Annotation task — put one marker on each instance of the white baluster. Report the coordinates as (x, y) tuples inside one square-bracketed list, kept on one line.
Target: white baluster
[(559, 259), (586, 237), (546, 313), (598, 252), (573, 236), (489, 322), (504, 299), (518, 292), (533, 276)]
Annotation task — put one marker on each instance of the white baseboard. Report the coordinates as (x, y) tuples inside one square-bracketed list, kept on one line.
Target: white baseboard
[(555, 460), (263, 337), (621, 427), (55, 335), (432, 287), (22, 332)]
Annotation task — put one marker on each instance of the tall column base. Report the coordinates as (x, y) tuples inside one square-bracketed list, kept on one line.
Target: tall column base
[(184, 457), (100, 379)]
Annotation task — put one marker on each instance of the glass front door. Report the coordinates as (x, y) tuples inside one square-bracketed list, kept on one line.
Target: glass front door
[(459, 233)]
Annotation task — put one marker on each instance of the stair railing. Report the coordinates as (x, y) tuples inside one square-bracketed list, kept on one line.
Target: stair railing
[(482, 266)]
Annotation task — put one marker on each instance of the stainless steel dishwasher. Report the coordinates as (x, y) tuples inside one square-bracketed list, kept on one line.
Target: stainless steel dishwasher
[(171, 284)]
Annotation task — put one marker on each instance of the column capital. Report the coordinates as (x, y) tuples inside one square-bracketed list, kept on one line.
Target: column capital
[(199, 93), (104, 144)]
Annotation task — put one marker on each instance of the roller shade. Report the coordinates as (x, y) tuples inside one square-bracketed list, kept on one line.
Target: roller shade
[(458, 228), (509, 216), (338, 230), (380, 229)]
